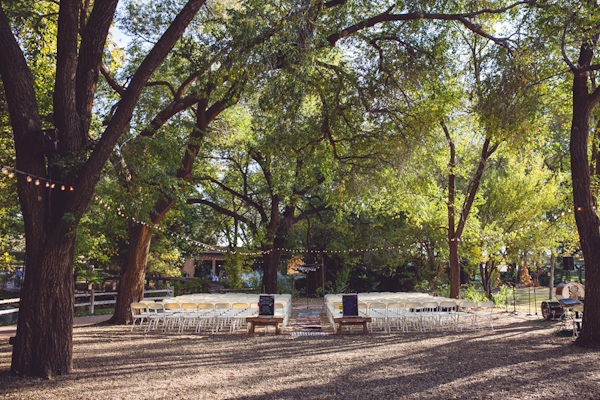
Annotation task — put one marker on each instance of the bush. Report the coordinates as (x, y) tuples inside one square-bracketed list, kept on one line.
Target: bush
[(473, 293), (235, 266), (503, 296)]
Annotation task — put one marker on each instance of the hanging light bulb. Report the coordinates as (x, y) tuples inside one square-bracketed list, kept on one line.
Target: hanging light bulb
[(62, 187), (52, 186), (47, 184), (37, 182), (4, 170), (29, 179), (11, 175)]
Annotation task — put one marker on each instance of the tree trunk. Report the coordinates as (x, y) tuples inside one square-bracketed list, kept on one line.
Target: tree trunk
[(551, 283), (271, 265), (131, 287), (131, 284), (588, 224), (455, 230), (44, 342), (454, 269)]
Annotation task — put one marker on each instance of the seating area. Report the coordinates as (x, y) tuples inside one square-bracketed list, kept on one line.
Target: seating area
[(203, 312), (415, 312), (386, 312)]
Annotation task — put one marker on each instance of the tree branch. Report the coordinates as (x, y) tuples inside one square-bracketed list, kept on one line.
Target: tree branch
[(111, 81), (124, 112), (224, 211), (333, 3), (312, 211), (163, 83), (462, 18), (246, 199), (93, 40), (562, 44)]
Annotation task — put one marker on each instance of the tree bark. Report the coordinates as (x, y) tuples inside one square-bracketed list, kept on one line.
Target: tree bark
[(131, 284), (279, 227), (43, 344), (271, 265), (588, 224)]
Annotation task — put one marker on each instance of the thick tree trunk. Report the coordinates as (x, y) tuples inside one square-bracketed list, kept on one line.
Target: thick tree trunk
[(131, 284), (271, 266), (588, 224), (43, 345), (453, 260)]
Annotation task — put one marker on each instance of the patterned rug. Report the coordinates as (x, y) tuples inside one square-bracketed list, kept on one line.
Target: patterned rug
[(308, 323)]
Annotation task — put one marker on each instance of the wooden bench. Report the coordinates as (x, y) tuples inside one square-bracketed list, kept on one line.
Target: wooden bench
[(265, 321), (341, 321)]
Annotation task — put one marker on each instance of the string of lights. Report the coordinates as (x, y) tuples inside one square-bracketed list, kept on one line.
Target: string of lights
[(224, 250), (11, 172)]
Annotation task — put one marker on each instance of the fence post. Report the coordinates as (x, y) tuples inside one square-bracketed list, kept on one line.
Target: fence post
[(170, 290), (92, 301)]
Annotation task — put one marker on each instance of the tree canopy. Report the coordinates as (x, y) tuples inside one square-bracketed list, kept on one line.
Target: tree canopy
[(284, 123)]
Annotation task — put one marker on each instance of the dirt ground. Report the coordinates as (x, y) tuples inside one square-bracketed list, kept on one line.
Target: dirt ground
[(521, 358)]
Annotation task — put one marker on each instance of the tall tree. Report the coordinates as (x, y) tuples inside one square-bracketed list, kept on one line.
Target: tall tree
[(43, 345), (578, 23), (207, 74)]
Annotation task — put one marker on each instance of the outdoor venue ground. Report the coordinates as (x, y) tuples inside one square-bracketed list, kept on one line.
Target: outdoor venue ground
[(521, 358)]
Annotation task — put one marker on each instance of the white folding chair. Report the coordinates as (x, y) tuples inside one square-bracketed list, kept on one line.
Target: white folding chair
[(577, 318), (378, 314), (485, 310), (223, 314), (466, 312), (448, 316), (395, 316), (139, 312), (189, 316), (206, 317), (156, 312), (172, 316), (412, 316), (430, 317)]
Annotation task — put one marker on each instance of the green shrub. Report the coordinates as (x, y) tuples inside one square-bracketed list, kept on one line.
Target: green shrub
[(473, 293), (504, 295), (236, 265)]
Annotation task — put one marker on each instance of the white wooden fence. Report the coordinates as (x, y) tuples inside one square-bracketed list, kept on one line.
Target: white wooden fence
[(9, 301), (99, 298)]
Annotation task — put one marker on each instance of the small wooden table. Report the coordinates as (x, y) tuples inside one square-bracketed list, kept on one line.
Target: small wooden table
[(341, 321), (265, 321)]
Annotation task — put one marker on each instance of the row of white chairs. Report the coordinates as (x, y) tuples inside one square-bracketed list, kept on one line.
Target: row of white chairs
[(421, 316), (172, 315), (285, 299)]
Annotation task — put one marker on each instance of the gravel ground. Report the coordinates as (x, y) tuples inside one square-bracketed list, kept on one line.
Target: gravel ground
[(521, 359)]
